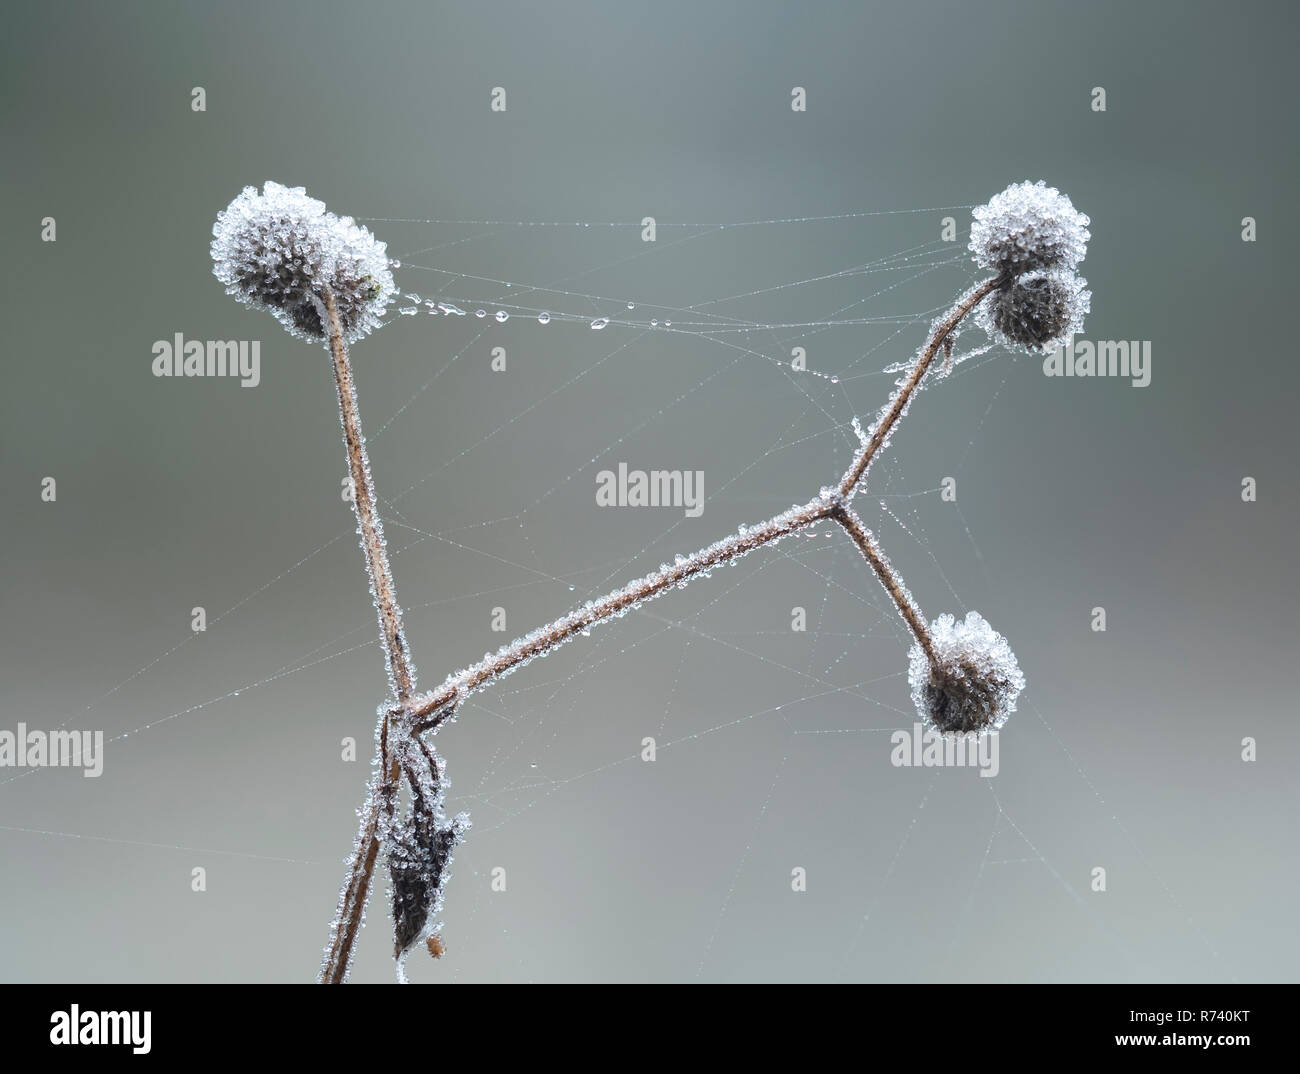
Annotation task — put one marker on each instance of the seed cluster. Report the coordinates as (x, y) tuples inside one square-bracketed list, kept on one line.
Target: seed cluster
[(1033, 236), (974, 683), (280, 250)]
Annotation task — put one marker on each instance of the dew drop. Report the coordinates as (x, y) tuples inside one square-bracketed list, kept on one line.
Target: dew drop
[(394, 263), (412, 296), (480, 313), (631, 305), (654, 323), (502, 316), (599, 323), (409, 311), (543, 318)]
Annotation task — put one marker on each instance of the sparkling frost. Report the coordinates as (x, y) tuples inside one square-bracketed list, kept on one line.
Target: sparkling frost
[(279, 250), (977, 682), (1026, 227)]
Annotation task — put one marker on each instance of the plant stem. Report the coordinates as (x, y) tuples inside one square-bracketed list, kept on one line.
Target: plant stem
[(898, 404), (441, 702), (352, 899), (434, 708), (417, 715), (363, 502), (889, 578)]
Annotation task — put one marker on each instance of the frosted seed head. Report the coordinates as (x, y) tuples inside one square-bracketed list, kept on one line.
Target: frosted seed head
[(1028, 226), (279, 250), (976, 683), (1036, 312)]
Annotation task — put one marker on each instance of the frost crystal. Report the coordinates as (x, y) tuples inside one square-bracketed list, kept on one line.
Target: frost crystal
[(279, 250), (977, 682), (1028, 226), (1037, 311)]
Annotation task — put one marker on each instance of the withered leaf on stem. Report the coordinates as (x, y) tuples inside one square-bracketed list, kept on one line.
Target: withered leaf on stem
[(419, 852)]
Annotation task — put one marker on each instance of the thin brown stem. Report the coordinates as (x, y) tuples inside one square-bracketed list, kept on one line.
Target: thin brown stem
[(434, 708), (442, 701), (356, 890), (415, 715), (880, 432), (363, 501), (889, 578)]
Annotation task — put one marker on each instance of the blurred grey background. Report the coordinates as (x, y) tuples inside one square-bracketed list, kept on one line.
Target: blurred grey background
[(774, 745)]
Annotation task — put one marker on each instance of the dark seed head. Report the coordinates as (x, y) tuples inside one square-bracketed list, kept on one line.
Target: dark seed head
[(975, 682), (280, 250), (1036, 311)]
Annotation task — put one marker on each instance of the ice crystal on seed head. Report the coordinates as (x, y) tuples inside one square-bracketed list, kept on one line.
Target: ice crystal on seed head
[(1028, 226), (279, 250), (976, 683), (1037, 311)]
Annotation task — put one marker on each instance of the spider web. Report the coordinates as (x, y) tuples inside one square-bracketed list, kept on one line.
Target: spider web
[(772, 744)]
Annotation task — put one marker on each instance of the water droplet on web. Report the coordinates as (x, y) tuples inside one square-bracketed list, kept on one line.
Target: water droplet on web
[(480, 313), (412, 296), (599, 323), (835, 380), (572, 588), (394, 263), (631, 305), (543, 318), (502, 316), (654, 322), (668, 324), (409, 311)]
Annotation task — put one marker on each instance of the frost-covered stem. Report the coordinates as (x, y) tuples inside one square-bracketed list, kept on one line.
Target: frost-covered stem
[(363, 502), (874, 555), (416, 715), (433, 708), (902, 397), (440, 703), (356, 889), (353, 897)]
